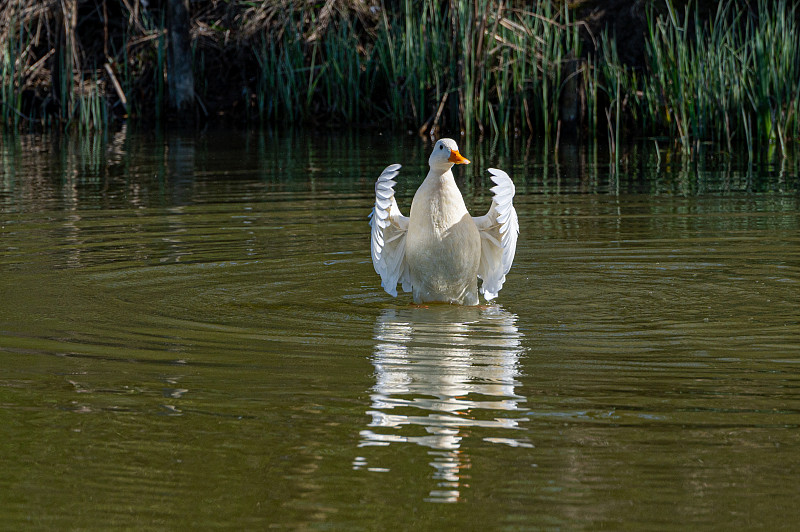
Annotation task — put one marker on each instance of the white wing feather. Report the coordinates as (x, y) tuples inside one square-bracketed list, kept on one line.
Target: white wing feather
[(389, 228), (499, 229)]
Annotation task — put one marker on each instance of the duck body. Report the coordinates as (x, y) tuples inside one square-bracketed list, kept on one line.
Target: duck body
[(443, 244), (440, 251)]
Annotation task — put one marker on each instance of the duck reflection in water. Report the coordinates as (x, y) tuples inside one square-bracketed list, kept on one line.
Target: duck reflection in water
[(452, 371)]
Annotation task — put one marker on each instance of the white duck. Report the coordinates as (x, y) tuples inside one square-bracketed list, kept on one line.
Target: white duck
[(440, 251)]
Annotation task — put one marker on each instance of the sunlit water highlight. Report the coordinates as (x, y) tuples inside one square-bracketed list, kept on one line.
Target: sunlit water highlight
[(192, 335)]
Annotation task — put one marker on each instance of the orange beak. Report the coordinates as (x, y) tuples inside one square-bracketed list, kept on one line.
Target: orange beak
[(457, 158)]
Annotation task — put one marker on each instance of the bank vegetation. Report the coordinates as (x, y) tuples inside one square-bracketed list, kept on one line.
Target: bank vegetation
[(727, 72)]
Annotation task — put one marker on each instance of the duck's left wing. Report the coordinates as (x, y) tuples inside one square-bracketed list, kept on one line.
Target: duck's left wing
[(499, 229), (389, 228)]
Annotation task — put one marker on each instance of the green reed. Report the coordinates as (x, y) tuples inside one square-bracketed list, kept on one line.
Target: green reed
[(12, 52), (412, 60), (506, 76), (733, 78), (78, 93), (344, 82), (286, 86)]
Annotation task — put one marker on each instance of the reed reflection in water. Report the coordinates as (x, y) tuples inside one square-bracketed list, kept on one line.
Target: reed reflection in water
[(447, 370)]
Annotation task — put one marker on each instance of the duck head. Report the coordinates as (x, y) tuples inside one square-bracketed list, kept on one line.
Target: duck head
[(445, 155)]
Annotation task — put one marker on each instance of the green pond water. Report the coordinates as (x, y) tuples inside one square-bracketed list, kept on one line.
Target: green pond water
[(192, 336)]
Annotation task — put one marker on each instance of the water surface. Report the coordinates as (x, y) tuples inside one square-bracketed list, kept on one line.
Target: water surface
[(192, 335)]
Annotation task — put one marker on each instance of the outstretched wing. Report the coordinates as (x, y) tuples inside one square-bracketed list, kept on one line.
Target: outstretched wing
[(389, 229), (499, 229)]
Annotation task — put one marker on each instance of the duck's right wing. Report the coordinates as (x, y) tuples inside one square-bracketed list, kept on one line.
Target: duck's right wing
[(389, 229)]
